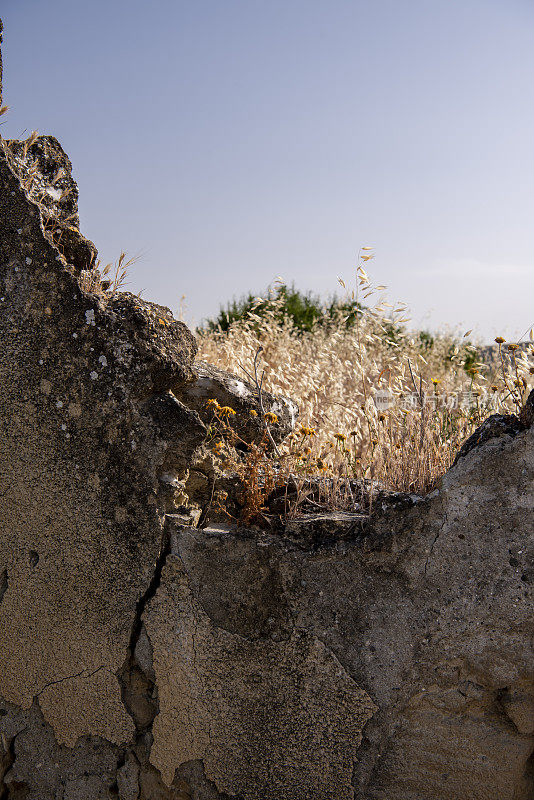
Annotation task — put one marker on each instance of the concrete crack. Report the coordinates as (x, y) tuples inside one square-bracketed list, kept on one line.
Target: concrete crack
[(3, 584), (152, 588), (436, 537), (138, 690), (71, 677)]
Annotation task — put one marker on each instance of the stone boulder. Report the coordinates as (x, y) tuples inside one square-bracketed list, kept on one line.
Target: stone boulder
[(231, 390)]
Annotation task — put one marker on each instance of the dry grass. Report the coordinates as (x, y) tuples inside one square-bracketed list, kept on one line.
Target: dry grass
[(108, 278), (335, 372)]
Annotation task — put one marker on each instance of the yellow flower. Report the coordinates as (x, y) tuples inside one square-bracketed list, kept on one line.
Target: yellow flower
[(253, 413), (270, 417), (226, 411), (212, 403), (307, 431), (500, 340), (340, 437), (435, 381), (512, 347)]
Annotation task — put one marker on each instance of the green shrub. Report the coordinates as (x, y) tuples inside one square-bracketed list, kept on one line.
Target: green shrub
[(304, 309)]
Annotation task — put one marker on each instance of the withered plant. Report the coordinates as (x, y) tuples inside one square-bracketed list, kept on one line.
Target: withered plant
[(438, 389)]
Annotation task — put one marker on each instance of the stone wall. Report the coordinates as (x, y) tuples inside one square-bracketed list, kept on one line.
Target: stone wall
[(144, 658)]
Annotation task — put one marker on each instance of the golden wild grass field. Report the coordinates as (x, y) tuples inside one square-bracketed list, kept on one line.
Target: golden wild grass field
[(378, 403)]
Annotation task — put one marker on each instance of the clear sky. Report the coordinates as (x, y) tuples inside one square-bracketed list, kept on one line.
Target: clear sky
[(232, 141)]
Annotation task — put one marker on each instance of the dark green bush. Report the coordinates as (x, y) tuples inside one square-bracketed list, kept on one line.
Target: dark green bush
[(304, 309)]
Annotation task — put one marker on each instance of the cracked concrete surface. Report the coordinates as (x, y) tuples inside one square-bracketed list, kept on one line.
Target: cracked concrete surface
[(428, 615), (251, 709)]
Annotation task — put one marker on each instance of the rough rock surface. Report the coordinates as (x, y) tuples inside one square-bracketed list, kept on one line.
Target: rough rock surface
[(493, 427), (45, 171), (231, 390), (144, 659)]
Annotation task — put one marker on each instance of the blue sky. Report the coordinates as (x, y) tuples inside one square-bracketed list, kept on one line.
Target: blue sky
[(231, 141)]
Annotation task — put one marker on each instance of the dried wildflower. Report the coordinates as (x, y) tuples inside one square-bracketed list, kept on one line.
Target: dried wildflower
[(219, 500), (340, 437), (418, 439), (512, 347), (270, 417), (307, 431)]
